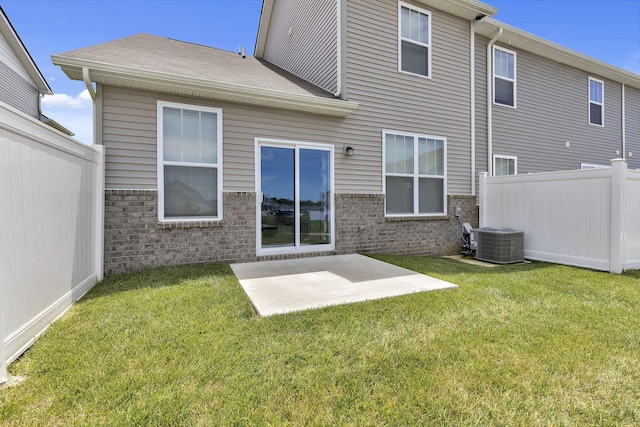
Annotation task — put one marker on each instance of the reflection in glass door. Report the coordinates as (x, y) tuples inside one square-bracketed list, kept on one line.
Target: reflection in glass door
[(295, 209)]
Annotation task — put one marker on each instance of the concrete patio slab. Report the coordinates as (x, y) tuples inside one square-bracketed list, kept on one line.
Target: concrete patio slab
[(277, 287)]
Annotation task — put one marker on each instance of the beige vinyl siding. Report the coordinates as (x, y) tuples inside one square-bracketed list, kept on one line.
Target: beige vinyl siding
[(309, 51), (389, 99), (18, 92), (552, 109), (632, 119), (130, 138)]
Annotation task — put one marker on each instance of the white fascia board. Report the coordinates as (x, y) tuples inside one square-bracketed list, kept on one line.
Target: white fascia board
[(263, 28), (183, 85), (515, 38)]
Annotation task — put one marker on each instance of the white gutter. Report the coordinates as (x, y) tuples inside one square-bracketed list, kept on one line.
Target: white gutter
[(338, 49), (624, 125), (87, 82), (490, 102), (472, 60)]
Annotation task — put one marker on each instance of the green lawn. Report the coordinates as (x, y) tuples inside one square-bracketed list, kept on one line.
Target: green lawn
[(535, 344)]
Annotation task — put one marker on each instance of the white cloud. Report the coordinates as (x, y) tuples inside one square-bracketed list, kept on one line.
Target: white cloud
[(73, 112), (62, 100)]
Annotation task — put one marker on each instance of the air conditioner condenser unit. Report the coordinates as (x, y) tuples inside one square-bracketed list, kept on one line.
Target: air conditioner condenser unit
[(498, 245)]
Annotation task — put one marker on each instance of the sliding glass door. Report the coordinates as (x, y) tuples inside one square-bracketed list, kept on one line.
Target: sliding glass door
[(295, 198)]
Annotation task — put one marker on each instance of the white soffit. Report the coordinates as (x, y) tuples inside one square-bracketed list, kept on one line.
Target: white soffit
[(467, 9)]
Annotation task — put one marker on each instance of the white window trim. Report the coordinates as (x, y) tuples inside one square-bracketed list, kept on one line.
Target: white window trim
[(161, 162), (601, 104), (514, 80), (296, 145), (415, 175), (400, 39), (500, 156)]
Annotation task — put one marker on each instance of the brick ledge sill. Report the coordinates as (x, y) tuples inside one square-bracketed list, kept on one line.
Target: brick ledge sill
[(189, 224), (417, 218)]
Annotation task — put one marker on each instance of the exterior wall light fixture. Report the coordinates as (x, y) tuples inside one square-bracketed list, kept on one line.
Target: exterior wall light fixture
[(349, 151)]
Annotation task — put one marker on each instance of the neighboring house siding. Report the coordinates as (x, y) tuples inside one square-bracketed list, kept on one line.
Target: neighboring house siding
[(632, 119), (552, 109), (18, 92), (437, 106), (8, 57), (309, 51)]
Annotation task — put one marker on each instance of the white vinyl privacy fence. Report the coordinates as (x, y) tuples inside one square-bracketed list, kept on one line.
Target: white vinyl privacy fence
[(51, 205), (585, 218)]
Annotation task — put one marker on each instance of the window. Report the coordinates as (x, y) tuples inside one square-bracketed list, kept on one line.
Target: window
[(414, 174), (596, 102), (414, 41), (505, 165), (189, 162), (504, 77)]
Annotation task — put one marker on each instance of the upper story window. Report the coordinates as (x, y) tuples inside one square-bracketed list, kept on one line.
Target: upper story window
[(505, 165), (414, 174), (414, 41), (504, 76), (189, 162), (596, 102)]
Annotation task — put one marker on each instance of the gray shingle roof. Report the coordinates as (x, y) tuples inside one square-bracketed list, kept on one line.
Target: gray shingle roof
[(162, 55)]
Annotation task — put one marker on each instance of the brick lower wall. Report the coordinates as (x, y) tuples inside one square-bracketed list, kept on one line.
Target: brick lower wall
[(134, 238), (362, 227)]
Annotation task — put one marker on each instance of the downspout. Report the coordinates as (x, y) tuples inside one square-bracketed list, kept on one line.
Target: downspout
[(624, 125), (100, 185), (472, 82), (490, 102), (87, 82), (338, 92)]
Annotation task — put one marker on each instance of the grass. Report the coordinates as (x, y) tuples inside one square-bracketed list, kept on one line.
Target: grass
[(536, 344)]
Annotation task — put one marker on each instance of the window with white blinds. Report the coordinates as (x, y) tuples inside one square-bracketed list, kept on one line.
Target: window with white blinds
[(414, 44), (504, 76), (189, 159), (596, 102), (505, 165), (414, 174)]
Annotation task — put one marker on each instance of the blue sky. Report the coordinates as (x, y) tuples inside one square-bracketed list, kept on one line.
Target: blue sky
[(608, 30)]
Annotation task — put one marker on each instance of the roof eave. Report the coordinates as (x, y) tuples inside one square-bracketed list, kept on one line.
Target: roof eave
[(183, 85), (263, 28), (466, 9), (523, 40)]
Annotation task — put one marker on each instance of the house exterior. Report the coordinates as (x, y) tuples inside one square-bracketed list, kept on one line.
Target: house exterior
[(363, 129), (21, 82)]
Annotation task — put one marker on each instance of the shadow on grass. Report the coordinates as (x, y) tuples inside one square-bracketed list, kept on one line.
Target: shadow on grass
[(158, 277), (446, 266)]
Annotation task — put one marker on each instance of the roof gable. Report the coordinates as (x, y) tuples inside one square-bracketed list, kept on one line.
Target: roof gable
[(20, 52)]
